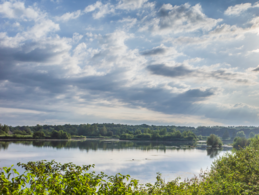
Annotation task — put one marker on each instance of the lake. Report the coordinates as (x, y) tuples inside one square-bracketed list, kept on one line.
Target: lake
[(142, 160)]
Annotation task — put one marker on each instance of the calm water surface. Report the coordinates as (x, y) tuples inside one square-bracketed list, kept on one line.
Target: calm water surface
[(142, 160)]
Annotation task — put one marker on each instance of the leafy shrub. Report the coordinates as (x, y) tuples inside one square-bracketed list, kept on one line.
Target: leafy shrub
[(240, 134), (2, 132), (214, 141), (251, 134), (59, 135), (240, 142), (126, 136), (38, 134), (110, 133), (18, 132), (143, 136)]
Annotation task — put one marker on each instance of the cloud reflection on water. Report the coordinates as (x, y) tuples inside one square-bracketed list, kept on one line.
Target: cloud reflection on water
[(114, 157)]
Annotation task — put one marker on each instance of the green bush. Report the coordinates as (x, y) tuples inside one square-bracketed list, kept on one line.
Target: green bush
[(143, 136), (240, 134), (240, 142), (38, 135), (214, 141), (126, 136)]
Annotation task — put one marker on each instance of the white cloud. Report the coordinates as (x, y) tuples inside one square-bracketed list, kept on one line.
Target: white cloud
[(93, 7), (133, 4), (175, 19), (17, 10), (69, 16), (103, 9), (128, 22), (237, 9), (42, 28), (223, 32), (255, 51), (77, 37)]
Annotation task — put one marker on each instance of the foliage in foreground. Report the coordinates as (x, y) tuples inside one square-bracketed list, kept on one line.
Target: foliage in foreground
[(234, 173)]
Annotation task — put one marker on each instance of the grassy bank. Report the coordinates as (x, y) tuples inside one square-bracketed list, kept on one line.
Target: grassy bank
[(235, 173)]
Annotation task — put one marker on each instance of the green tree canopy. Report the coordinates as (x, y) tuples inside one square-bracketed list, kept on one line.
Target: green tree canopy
[(39, 134), (5, 129), (251, 134), (103, 130), (163, 131), (28, 131), (214, 141), (240, 142), (240, 134), (225, 135)]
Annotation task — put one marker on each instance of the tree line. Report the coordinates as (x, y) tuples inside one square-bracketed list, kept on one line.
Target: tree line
[(124, 131)]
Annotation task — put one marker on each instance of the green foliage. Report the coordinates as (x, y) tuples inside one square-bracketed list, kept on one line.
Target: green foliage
[(143, 136), (2, 132), (251, 134), (225, 135), (59, 135), (27, 131), (138, 132), (163, 131), (240, 142), (98, 130), (38, 135), (214, 141), (103, 131), (110, 133), (126, 136), (78, 137), (18, 132), (161, 135), (240, 134), (5, 129), (236, 172)]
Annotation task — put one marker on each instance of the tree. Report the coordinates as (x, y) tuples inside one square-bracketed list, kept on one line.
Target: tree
[(214, 141), (240, 134), (59, 135), (55, 134), (163, 131), (155, 135), (110, 133), (18, 132), (240, 142), (63, 135), (251, 134), (5, 129), (38, 127), (28, 131), (103, 130), (138, 132), (225, 135), (38, 134), (177, 134)]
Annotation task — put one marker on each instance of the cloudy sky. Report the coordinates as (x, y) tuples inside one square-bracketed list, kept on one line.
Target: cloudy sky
[(129, 61)]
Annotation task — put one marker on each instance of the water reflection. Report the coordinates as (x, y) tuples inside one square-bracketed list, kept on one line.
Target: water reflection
[(95, 145), (213, 152), (103, 144), (172, 159)]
